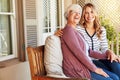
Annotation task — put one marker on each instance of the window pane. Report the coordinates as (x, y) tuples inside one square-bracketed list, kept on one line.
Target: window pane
[(46, 10), (5, 36), (5, 5)]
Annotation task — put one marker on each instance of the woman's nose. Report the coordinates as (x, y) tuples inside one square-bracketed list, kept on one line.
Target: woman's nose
[(77, 13)]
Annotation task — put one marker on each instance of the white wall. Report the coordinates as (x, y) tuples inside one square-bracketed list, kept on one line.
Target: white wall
[(19, 71)]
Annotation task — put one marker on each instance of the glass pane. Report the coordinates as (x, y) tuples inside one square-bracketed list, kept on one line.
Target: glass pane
[(5, 36), (46, 10), (5, 5)]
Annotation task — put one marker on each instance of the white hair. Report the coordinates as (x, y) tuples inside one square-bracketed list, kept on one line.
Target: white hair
[(72, 7)]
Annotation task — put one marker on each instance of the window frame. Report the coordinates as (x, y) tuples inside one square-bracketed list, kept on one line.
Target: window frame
[(52, 28), (13, 31), (18, 35)]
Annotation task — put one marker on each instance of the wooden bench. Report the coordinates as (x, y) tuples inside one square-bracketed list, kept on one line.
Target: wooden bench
[(36, 62)]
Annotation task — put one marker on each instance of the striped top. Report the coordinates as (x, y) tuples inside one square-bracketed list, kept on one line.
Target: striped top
[(93, 41)]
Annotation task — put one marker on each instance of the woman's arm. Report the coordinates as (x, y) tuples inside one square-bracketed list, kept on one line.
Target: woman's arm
[(71, 40), (104, 48), (97, 55), (103, 41)]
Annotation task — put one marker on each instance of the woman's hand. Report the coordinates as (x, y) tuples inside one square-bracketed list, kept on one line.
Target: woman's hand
[(112, 57), (59, 33), (101, 72)]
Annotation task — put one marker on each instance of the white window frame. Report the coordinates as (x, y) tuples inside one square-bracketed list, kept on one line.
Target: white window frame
[(41, 35), (13, 33)]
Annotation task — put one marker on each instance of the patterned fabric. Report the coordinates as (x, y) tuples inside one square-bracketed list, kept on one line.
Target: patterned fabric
[(93, 41), (53, 57)]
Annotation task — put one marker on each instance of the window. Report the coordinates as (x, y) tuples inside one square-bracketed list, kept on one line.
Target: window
[(7, 30), (53, 12), (46, 16), (53, 15)]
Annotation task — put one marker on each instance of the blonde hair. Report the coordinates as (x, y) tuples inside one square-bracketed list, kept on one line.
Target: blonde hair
[(72, 7), (97, 25)]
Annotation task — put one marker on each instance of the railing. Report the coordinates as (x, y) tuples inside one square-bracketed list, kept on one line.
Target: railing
[(115, 44)]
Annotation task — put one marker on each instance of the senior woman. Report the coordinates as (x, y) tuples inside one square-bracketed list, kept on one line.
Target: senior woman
[(76, 52)]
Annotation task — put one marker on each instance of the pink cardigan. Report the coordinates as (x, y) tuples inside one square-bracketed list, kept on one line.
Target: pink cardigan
[(75, 61)]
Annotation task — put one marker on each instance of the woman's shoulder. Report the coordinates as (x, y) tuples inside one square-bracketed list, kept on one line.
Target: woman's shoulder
[(103, 28), (68, 30), (81, 28)]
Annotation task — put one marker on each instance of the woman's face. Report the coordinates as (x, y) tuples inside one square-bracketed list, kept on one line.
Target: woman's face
[(74, 17), (89, 15)]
